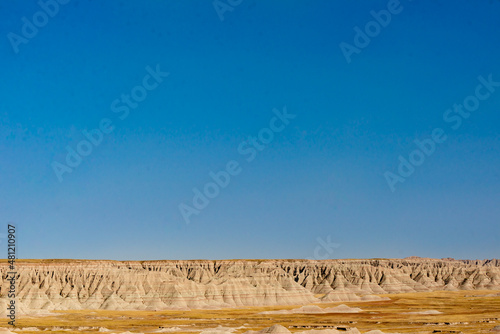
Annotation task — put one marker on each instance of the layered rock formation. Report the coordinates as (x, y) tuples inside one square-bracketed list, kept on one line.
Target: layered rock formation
[(155, 285)]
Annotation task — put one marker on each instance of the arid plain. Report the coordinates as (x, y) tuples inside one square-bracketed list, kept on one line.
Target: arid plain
[(412, 295)]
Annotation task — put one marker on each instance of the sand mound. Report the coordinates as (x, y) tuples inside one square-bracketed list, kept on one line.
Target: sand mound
[(279, 329), (277, 312), (325, 331), (430, 312), (373, 298), (493, 295), (167, 330), (342, 309), (5, 331), (338, 296), (308, 309), (219, 330), (332, 331), (31, 329), (314, 309), (58, 329), (275, 329)]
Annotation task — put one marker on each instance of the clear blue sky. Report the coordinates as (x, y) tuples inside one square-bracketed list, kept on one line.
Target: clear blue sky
[(323, 175)]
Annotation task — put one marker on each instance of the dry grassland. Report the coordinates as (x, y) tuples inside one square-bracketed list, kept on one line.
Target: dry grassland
[(468, 312)]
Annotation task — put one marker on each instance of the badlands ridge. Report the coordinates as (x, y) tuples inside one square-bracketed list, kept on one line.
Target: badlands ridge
[(158, 285)]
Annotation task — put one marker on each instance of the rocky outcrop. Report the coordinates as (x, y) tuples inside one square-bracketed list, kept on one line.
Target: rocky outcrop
[(153, 285)]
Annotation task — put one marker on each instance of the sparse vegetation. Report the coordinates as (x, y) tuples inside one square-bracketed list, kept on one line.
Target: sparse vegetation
[(469, 312)]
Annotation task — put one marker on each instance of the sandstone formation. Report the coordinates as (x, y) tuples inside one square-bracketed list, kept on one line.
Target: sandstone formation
[(153, 285)]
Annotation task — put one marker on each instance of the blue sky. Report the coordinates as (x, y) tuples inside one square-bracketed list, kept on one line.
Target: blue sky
[(322, 176)]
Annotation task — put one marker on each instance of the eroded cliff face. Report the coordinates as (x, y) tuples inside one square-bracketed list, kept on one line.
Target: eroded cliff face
[(155, 285)]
